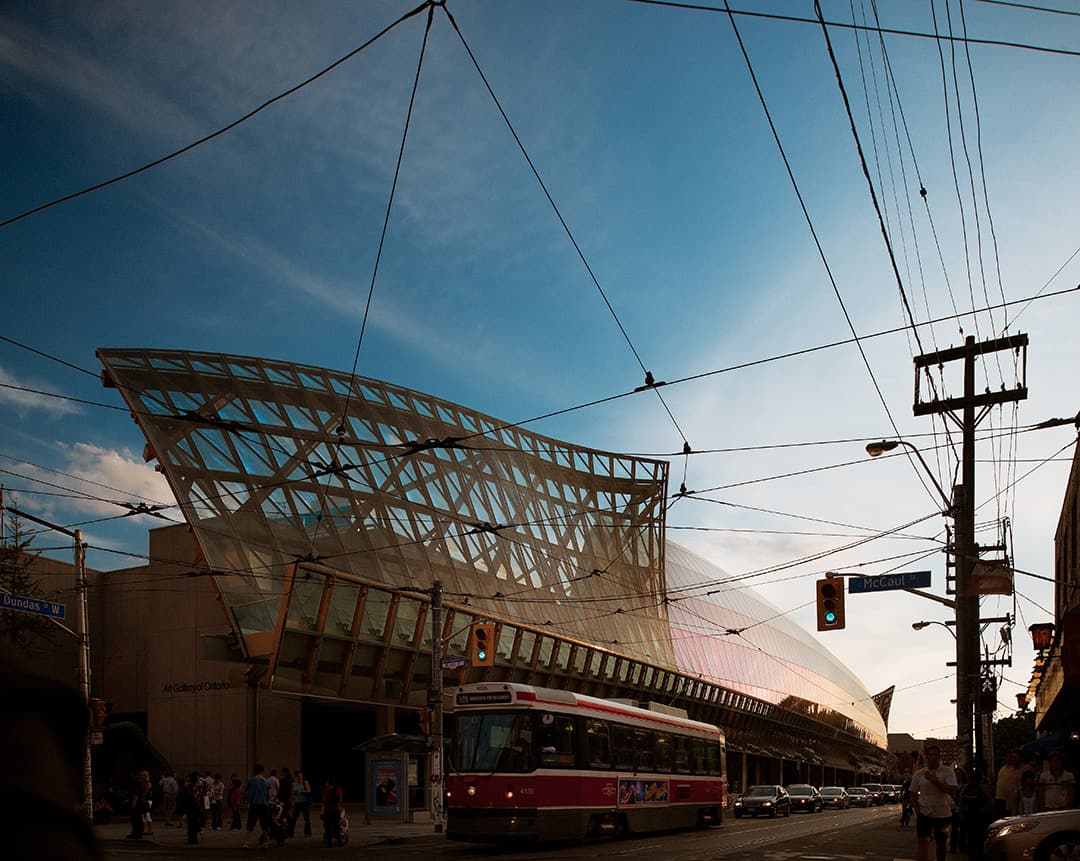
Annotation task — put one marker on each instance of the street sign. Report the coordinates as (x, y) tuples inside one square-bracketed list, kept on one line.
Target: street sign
[(454, 662), (889, 582), (25, 604)]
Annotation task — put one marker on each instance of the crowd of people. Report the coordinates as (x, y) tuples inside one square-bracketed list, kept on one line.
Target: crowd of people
[(954, 807), (274, 803)]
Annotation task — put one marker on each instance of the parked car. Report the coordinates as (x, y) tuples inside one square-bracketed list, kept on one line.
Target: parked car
[(835, 796), (859, 796), (804, 798), (763, 800), (876, 792), (1050, 836)]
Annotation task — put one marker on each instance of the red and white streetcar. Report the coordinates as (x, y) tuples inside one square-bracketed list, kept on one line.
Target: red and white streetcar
[(542, 764)]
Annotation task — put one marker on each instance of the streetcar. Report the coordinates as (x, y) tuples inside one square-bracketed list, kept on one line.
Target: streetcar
[(538, 764)]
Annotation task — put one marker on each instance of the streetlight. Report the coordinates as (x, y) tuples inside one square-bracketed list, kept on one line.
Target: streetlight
[(918, 626), (876, 449)]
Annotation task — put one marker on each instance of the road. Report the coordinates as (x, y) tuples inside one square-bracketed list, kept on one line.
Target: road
[(848, 835)]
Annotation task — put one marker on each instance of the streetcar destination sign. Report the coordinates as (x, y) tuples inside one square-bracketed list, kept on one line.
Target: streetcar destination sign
[(26, 604), (888, 582)]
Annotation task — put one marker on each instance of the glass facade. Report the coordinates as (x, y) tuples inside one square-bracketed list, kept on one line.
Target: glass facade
[(326, 508)]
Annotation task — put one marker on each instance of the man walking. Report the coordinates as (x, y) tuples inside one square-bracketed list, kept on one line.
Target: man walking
[(931, 792), (258, 796)]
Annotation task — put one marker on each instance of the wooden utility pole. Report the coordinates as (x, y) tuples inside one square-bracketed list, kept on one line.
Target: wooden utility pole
[(961, 411)]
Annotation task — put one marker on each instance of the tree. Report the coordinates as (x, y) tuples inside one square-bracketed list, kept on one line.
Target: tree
[(1012, 733), (28, 633)]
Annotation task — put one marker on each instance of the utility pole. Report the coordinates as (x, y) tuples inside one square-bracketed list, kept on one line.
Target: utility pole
[(435, 704), (82, 633), (965, 549)]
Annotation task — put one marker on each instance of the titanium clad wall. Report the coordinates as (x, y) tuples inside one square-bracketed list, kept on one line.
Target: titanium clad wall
[(778, 661)]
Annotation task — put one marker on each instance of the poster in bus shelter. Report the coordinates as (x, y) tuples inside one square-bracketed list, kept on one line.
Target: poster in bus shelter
[(634, 791), (386, 791)]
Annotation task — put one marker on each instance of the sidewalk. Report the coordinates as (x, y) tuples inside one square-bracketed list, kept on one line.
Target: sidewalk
[(114, 835)]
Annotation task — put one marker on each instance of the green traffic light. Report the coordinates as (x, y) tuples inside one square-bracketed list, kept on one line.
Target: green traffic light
[(481, 655)]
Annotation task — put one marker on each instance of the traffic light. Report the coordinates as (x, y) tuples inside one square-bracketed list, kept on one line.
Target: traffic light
[(830, 604), (483, 644)]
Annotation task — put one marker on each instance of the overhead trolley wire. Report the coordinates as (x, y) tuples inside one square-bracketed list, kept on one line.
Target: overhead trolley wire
[(209, 137), (650, 381)]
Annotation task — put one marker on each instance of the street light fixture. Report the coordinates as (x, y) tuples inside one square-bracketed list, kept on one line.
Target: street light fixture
[(918, 626), (876, 449)]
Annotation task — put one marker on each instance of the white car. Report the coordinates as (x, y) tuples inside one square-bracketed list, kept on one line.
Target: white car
[(1050, 836)]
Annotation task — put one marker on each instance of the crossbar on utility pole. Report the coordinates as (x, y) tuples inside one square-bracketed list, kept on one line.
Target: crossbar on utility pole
[(966, 551)]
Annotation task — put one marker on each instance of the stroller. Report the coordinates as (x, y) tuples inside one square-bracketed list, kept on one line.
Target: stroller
[(279, 824)]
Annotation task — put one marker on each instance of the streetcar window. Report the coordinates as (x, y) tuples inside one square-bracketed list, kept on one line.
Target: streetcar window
[(598, 744), (713, 754), (492, 742), (682, 754), (645, 743), (664, 752), (555, 739), (624, 747), (700, 763)]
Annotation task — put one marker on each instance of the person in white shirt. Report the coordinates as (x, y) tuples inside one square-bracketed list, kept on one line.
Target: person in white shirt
[(1056, 786), (931, 792)]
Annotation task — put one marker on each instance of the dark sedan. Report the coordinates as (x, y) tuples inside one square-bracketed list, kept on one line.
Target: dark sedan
[(876, 791), (804, 798), (859, 796), (763, 801), (834, 796)]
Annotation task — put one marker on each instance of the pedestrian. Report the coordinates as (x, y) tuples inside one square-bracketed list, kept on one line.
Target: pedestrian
[(332, 804), (931, 793), (189, 806), (256, 792), (148, 801), (236, 802), (1056, 786), (274, 787), (1008, 783), (301, 795), (285, 788), (977, 811), (1027, 796), (217, 801), (169, 788), (135, 807)]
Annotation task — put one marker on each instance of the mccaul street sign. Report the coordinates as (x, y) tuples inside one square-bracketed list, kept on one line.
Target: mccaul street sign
[(889, 582)]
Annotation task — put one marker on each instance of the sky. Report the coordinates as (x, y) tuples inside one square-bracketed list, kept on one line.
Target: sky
[(586, 191)]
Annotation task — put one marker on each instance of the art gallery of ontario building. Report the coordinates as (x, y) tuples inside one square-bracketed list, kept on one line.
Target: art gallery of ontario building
[(289, 619)]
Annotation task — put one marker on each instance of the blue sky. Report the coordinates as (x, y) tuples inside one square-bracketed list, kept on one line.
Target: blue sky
[(645, 127)]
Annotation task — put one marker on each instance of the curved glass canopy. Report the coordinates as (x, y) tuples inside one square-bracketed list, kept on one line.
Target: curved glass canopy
[(274, 463)]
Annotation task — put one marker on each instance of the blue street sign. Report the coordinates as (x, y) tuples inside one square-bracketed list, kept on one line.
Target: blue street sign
[(25, 604), (888, 582), (453, 662)]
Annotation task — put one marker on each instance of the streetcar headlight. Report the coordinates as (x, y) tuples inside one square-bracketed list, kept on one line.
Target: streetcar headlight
[(509, 794), (470, 789)]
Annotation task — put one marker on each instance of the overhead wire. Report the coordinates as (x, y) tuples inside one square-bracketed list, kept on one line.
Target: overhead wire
[(212, 135)]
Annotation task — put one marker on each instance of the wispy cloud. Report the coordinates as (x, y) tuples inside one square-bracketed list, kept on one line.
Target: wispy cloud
[(27, 395)]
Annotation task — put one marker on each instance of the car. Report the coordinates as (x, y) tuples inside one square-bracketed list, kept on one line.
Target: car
[(763, 800), (1050, 836), (859, 796), (890, 793), (835, 796), (805, 797), (876, 791)]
